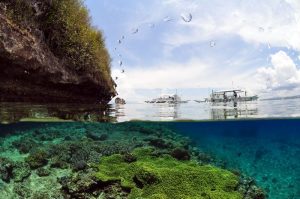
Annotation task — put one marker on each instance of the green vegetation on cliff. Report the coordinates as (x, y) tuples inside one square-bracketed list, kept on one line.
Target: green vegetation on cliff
[(164, 177), (65, 26), (70, 34)]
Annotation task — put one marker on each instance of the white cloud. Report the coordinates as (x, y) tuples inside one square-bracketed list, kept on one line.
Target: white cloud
[(274, 22), (239, 29), (282, 78), (194, 74)]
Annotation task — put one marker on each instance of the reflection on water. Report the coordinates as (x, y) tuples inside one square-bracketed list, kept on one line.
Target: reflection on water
[(233, 110), (10, 112)]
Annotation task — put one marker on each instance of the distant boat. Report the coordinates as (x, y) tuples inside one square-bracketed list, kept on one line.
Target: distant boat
[(170, 99), (236, 95)]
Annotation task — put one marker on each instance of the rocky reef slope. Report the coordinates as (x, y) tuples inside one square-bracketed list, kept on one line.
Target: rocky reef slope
[(49, 52)]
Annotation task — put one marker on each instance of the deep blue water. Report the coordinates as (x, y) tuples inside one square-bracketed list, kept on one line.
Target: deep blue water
[(267, 150)]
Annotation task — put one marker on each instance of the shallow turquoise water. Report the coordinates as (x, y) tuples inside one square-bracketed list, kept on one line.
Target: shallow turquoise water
[(267, 150)]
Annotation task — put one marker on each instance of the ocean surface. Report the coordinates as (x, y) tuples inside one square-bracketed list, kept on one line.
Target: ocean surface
[(258, 140), (206, 111), (12, 112)]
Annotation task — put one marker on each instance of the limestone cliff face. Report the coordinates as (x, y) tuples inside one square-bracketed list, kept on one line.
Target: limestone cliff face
[(31, 72)]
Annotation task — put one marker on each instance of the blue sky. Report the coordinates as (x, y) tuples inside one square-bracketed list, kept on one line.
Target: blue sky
[(250, 44)]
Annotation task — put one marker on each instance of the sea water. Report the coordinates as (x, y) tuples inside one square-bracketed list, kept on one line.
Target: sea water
[(154, 112), (261, 140), (267, 150)]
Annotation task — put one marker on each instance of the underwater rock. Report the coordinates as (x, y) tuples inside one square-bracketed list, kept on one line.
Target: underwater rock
[(255, 193), (158, 142), (80, 165), (68, 138), (21, 190), (40, 195), (95, 136), (6, 169), (249, 189), (21, 171), (128, 157), (25, 145), (57, 162), (42, 172), (80, 185), (144, 178), (103, 137), (166, 177), (204, 158), (181, 154), (37, 159)]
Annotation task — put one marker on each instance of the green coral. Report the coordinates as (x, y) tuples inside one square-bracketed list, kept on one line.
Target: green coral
[(165, 177)]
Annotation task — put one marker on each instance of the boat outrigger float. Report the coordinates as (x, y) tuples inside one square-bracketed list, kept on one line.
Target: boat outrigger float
[(236, 95)]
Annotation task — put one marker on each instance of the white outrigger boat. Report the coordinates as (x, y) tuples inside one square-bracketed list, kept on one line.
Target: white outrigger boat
[(168, 99), (236, 95)]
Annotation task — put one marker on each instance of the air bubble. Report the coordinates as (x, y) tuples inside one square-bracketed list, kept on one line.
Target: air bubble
[(186, 17), (167, 19), (212, 43), (134, 30), (120, 63)]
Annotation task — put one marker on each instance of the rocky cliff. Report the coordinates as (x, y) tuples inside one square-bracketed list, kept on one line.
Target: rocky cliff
[(35, 63)]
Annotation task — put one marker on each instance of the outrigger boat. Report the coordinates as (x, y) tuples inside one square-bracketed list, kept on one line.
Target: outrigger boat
[(236, 95), (170, 99)]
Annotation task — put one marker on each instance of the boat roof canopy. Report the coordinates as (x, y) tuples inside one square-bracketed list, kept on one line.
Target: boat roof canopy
[(228, 91)]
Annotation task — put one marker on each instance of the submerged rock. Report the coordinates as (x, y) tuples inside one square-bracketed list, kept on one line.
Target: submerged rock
[(25, 145), (181, 154), (6, 169), (37, 159), (96, 136), (42, 172), (21, 171), (81, 185), (80, 165)]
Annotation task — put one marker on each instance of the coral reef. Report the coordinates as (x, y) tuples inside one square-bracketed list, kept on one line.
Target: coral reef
[(165, 177), (88, 160), (37, 159)]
